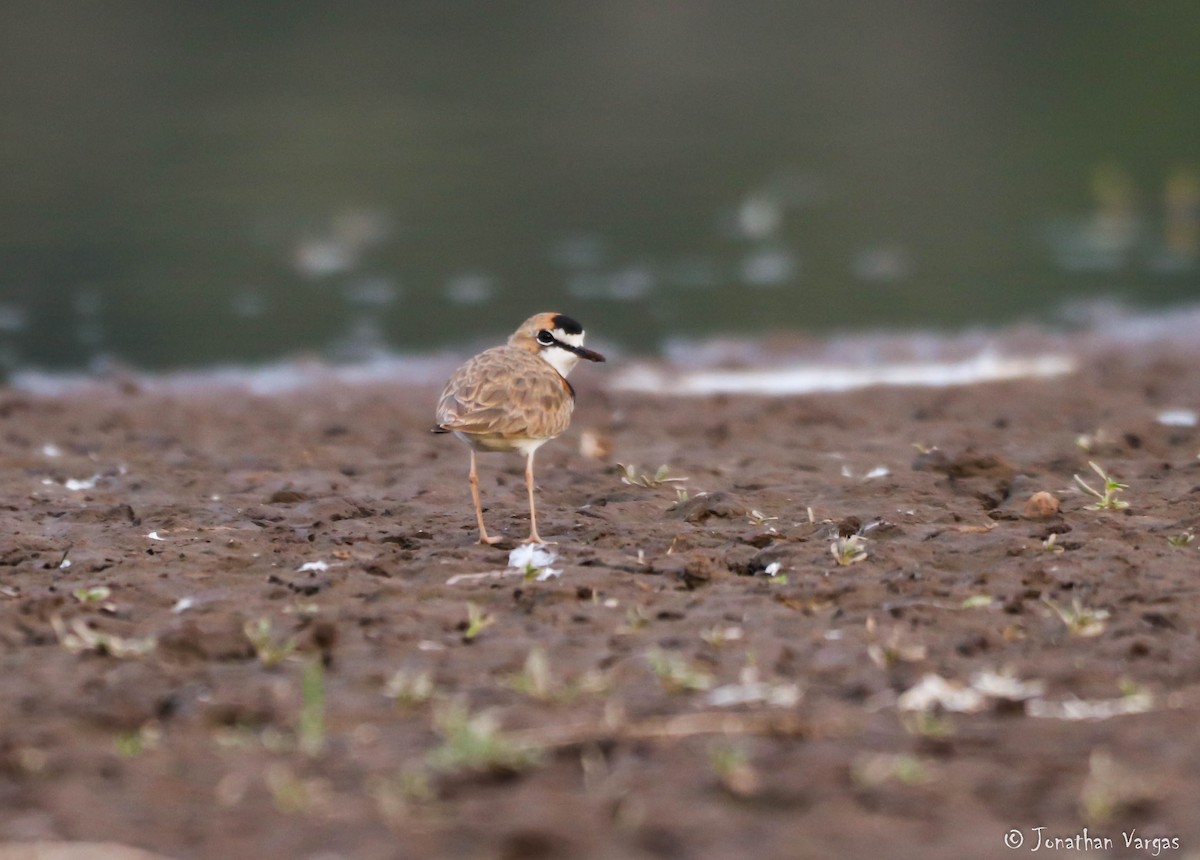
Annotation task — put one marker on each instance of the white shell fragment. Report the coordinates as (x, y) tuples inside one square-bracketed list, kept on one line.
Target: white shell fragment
[(532, 556), (934, 691), (1177, 418)]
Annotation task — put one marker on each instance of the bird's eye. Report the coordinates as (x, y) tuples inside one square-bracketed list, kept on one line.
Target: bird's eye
[(545, 338)]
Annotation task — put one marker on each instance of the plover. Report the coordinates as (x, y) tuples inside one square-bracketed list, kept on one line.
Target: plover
[(515, 398)]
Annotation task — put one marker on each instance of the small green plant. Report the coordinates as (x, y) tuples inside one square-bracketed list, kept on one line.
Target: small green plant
[(978, 601), (410, 689), (534, 679), (1183, 539), (129, 744), (636, 618), (848, 550), (1107, 500), (310, 733), (301, 608), (78, 637), (731, 764), (1050, 544), (718, 636), (293, 794), (676, 674), (474, 743), (1079, 620), (1111, 790), (1091, 443), (537, 681), (477, 622), (134, 743), (927, 724), (878, 768), (396, 798), (630, 475), (758, 518), (269, 650), (93, 594), (893, 650)]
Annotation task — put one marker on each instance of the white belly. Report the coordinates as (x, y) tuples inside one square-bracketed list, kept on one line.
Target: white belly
[(497, 443)]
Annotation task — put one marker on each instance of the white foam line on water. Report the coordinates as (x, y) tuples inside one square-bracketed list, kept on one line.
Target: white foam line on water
[(268, 379), (813, 378)]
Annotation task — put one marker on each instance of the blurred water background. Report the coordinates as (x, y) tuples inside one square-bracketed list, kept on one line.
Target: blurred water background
[(184, 185)]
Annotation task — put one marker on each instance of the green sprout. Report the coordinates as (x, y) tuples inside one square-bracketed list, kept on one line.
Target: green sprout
[(631, 476), (1111, 790), (718, 636), (474, 743), (736, 774), (878, 768), (397, 797), (268, 650), (410, 689), (1050, 544), (927, 724), (311, 731), (537, 681), (847, 550), (1079, 620), (134, 743), (94, 594), (893, 651), (758, 518), (1107, 500), (636, 618), (1184, 538), (534, 679), (477, 622), (675, 673), (292, 794), (78, 638)]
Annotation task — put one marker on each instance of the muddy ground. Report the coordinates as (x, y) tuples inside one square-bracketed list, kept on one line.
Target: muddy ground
[(703, 679)]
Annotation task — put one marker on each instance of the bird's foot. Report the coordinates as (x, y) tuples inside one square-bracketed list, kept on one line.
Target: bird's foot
[(489, 540)]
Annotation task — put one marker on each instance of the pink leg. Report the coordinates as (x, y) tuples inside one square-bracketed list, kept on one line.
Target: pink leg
[(483, 535), (534, 537)]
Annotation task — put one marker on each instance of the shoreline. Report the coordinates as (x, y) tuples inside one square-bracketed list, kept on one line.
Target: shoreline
[(842, 361)]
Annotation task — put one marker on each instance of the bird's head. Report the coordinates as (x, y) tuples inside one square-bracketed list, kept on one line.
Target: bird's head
[(556, 338)]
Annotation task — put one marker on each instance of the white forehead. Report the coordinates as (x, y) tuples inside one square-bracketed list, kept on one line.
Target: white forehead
[(573, 339)]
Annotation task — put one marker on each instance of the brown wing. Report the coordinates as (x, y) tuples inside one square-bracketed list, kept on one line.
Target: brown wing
[(506, 392)]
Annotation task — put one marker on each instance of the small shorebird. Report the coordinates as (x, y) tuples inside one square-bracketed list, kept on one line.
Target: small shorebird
[(515, 398)]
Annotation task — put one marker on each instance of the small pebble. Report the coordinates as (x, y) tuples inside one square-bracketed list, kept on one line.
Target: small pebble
[(1040, 506)]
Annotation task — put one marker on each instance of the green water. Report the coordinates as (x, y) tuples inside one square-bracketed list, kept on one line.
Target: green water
[(187, 184)]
